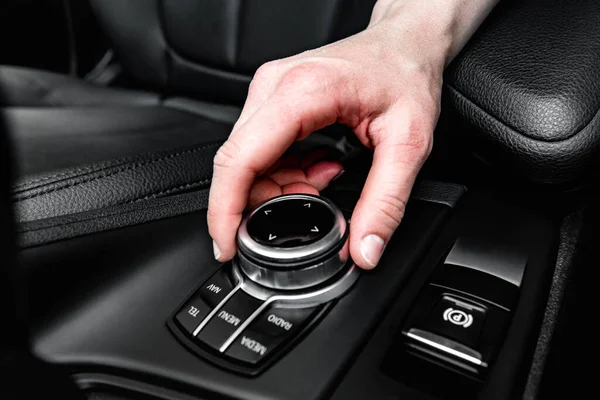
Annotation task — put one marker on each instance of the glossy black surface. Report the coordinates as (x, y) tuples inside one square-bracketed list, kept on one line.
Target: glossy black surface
[(216, 288), (455, 318), (264, 335), (239, 307), (291, 223), (192, 313)]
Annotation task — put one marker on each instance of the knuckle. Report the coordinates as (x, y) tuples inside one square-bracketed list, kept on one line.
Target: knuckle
[(389, 210), (306, 77), (264, 74), (227, 155)]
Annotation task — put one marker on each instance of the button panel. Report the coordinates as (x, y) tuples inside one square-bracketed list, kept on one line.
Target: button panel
[(227, 319), (243, 327), (267, 332)]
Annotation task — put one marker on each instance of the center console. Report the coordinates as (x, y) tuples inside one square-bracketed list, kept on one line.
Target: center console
[(452, 310), (292, 263)]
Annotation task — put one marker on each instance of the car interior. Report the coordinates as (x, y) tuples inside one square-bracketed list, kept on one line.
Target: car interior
[(111, 112)]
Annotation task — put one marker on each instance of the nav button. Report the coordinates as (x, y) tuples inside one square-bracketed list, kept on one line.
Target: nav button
[(268, 332), (215, 288)]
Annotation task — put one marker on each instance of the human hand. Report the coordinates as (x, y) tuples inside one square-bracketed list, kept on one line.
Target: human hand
[(384, 83)]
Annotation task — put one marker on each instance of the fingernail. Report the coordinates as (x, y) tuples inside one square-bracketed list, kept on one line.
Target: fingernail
[(216, 251), (338, 176), (371, 249)]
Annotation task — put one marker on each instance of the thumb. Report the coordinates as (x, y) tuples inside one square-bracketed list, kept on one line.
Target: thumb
[(402, 142)]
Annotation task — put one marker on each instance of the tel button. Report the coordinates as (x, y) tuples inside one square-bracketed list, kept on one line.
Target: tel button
[(192, 313), (267, 332)]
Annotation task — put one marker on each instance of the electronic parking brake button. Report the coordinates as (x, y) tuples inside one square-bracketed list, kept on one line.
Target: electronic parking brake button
[(229, 318), (457, 320), (272, 328)]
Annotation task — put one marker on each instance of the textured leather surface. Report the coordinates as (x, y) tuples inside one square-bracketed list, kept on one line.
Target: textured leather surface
[(211, 48), (527, 89), (116, 182), (80, 147), (50, 139)]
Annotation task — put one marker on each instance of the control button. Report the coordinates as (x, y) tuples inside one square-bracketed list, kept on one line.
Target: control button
[(220, 327), (456, 319), (291, 223), (192, 313), (267, 332), (214, 290)]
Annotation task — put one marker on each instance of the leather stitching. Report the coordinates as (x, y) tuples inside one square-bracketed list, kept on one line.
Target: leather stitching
[(65, 219), (91, 168), (118, 171), (99, 166), (514, 130), (190, 185)]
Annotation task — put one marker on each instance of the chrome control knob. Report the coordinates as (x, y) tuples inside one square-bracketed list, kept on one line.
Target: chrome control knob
[(293, 242)]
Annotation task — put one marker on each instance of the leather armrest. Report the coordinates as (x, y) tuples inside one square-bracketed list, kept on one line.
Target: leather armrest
[(526, 90)]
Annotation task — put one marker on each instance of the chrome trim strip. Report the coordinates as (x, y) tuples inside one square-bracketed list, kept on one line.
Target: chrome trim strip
[(443, 344), (323, 295)]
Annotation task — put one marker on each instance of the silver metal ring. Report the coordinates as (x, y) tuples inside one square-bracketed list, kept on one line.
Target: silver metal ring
[(294, 268), (282, 255)]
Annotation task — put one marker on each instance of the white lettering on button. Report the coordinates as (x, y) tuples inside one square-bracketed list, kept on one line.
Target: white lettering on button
[(267, 212), (213, 288), (307, 205), (315, 229), (280, 322), (193, 311), (271, 236), (229, 318), (254, 346)]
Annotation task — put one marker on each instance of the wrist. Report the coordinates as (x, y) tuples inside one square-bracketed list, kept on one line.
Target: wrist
[(439, 28)]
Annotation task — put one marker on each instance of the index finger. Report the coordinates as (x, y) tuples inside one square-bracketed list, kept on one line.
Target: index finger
[(250, 150)]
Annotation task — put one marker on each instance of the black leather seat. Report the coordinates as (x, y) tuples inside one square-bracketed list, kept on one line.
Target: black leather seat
[(524, 95), (81, 147)]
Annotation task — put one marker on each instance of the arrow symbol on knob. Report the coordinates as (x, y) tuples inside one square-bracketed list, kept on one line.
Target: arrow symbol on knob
[(267, 212), (307, 205), (315, 229), (271, 236)]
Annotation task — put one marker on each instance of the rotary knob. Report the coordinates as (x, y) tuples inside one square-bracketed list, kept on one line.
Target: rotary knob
[(293, 242)]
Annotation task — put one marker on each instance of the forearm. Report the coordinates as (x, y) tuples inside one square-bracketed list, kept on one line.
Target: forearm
[(442, 26)]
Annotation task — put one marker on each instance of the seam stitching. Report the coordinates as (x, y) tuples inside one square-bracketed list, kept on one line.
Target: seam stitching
[(118, 171)]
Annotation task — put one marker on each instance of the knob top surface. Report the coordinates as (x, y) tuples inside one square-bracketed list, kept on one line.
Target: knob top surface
[(291, 229)]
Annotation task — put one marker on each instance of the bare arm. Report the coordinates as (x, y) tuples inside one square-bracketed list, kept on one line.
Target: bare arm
[(385, 83)]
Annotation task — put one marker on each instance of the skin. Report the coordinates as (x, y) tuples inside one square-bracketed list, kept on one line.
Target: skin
[(384, 83)]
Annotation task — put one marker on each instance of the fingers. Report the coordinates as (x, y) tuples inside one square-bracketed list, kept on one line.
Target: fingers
[(251, 150), (397, 159), (290, 180)]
